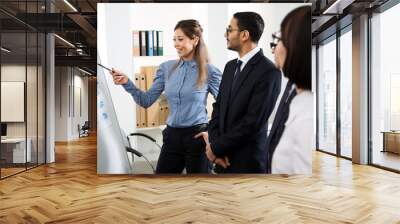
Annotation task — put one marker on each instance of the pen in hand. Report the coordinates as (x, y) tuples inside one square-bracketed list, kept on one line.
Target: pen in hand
[(119, 77)]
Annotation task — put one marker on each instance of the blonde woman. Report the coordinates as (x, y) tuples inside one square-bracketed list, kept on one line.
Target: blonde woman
[(186, 83)]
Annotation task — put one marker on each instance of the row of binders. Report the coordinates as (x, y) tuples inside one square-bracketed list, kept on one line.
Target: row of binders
[(148, 43), (156, 114)]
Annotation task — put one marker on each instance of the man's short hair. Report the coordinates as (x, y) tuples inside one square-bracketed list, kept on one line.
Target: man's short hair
[(252, 22)]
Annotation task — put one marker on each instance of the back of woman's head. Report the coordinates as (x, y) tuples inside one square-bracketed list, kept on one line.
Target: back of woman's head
[(191, 28), (296, 37)]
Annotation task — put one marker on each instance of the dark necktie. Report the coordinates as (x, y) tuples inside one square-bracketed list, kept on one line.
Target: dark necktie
[(236, 74), (278, 126)]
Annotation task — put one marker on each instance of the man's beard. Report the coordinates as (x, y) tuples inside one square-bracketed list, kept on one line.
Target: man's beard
[(233, 48)]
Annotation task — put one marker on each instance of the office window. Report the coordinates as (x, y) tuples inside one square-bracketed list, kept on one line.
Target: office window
[(327, 96), (385, 89), (346, 94), (22, 93), (13, 147)]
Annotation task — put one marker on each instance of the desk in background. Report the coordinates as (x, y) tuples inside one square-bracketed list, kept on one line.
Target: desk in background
[(13, 150), (391, 141)]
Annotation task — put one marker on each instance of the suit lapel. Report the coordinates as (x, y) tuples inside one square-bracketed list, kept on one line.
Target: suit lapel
[(226, 90), (245, 72)]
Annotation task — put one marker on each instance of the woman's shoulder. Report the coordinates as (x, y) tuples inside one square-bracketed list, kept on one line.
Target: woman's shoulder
[(169, 63), (304, 97), (303, 104), (214, 69), (211, 66)]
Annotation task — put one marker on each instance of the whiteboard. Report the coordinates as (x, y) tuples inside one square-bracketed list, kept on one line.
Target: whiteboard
[(112, 157), (12, 101)]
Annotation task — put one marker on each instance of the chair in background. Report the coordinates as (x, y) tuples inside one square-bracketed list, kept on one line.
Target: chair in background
[(84, 130)]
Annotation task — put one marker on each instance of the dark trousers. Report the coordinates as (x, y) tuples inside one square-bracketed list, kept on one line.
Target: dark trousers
[(181, 150)]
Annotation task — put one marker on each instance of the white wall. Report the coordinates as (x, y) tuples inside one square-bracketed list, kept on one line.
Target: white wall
[(61, 103), (33, 125), (14, 73), (67, 81), (213, 17), (114, 48), (272, 15), (13, 94), (80, 84)]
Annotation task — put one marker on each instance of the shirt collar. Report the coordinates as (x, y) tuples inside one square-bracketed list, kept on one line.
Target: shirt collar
[(246, 58), (192, 63)]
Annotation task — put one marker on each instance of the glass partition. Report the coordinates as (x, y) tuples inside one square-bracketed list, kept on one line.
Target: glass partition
[(346, 94), (327, 96), (41, 79), (32, 96), (385, 89), (22, 88), (13, 103)]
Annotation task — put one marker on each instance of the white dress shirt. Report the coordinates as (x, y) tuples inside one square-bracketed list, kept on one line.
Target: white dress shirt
[(246, 58), (293, 154)]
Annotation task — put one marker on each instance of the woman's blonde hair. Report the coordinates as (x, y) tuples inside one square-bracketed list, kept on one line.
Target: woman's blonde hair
[(191, 28)]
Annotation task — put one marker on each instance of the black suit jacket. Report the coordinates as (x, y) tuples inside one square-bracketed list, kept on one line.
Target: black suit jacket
[(238, 127)]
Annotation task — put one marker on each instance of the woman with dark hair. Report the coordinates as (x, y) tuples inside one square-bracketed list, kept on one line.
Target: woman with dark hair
[(290, 141), (186, 83)]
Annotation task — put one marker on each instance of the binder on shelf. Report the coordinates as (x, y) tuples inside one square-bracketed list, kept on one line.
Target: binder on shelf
[(153, 119), (166, 111), (157, 113), (142, 41), (160, 43), (153, 115), (150, 43), (149, 72), (142, 110), (152, 112), (138, 116), (161, 115), (155, 40), (143, 85), (136, 43)]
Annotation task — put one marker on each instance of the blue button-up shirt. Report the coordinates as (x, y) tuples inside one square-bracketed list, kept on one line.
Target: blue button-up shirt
[(187, 102)]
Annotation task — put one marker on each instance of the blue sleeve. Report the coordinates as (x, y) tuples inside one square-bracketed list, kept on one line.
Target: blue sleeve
[(146, 99), (214, 80)]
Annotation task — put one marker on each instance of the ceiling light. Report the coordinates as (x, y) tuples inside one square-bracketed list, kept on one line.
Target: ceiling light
[(70, 5), (5, 50), (86, 72), (338, 6), (64, 40)]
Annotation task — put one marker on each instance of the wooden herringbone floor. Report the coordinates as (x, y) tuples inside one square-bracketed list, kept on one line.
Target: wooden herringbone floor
[(70, 191)]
